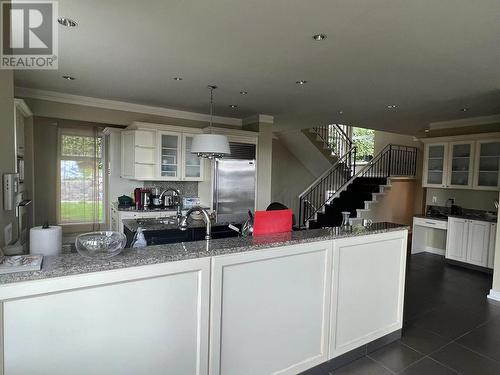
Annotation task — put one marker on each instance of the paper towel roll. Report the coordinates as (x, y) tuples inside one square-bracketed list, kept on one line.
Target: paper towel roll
[(46, 241)]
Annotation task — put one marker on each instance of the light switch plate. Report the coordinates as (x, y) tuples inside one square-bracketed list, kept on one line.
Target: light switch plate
[(7, 234)]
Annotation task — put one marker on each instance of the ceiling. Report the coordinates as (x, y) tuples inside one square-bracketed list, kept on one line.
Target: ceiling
[(429, 57)]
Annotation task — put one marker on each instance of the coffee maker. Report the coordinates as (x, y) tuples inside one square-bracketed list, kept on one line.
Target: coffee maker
[(155, 199)]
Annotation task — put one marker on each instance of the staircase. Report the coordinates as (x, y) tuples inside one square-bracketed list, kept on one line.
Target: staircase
[(342, 188), (332, 140)]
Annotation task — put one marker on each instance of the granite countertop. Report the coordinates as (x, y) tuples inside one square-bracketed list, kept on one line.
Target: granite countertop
[(473, 216), (74, 264)]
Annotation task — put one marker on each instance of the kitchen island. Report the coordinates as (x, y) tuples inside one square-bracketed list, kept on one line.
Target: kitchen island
[(271, 304)]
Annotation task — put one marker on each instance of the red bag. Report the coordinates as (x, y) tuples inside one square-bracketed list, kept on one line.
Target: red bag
[(267, 222)]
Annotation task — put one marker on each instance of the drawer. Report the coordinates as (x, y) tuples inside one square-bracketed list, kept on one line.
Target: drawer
[(430, 223)]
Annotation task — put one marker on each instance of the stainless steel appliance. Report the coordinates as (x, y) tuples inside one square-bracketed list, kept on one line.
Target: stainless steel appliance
[(234, 183)]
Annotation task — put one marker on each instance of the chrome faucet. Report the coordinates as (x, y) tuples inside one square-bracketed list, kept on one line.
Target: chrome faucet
[(183, 224), (179, 202)]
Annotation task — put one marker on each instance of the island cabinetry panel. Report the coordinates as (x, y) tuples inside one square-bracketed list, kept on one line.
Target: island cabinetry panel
[(156, 324), (269, 310), (367, 289)]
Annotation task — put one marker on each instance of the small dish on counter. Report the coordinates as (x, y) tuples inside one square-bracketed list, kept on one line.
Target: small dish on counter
[(100, 245)]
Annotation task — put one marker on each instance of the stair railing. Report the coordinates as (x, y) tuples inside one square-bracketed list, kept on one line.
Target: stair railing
[(391, 161), (335, 138), (319, 193)]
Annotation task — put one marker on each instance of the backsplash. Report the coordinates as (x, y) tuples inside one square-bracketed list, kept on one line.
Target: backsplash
[(186, 188), (473, 199)]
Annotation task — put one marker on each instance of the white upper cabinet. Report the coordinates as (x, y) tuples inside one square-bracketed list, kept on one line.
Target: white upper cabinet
[(139, 154), (160, 153), (435, 167), (487, 168), (170, 155), (192, 165), (460, 162)]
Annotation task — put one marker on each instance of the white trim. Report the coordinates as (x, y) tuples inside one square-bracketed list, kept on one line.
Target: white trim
[(494, 295), (60, 97), (460, 123), (23, 107), (435, 250), (258, 119), (462, 137)]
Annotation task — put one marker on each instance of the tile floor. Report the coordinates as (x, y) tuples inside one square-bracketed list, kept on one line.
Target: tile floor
[(450, 327)]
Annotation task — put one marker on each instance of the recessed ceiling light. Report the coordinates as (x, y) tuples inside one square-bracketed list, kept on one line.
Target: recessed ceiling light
[(243, 92), (68, 22), (392, 106), (301, 82), (177, 78), (233, 105), (69, 78), (340, 112), (319, 37), (465, 109), (427, 130)]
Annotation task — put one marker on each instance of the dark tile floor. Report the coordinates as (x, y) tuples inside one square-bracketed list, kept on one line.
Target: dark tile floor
[(450, 327)]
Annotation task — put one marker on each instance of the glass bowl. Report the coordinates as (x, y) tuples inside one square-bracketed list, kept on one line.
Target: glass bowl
[(100, 245)]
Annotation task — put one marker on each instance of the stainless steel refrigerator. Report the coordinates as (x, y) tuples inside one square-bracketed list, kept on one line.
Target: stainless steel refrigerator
[(234, 184)]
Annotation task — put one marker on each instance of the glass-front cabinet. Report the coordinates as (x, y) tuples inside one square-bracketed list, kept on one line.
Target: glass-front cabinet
[(192, 165), (176, 162), (170, 155), (436, 161), (467, 164), (487, 170), (460, 162)]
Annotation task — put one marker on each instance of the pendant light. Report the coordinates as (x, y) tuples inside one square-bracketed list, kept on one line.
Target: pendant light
[(210, 145)]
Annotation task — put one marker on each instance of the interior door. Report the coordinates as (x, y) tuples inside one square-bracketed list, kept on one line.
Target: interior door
[(479, 236), (456, 240)]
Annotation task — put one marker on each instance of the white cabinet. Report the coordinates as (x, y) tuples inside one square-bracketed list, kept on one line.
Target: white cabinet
[(192, 165), (460, 164), (139, 154), (176, 162), (160, 155), (487, 168), (435, 165), (270, 309), (469, 241), (492, 244), (456, 239), (156, 323), (367, 300), (478, 244)]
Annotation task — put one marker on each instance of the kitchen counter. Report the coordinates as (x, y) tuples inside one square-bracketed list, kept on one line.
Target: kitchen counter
[(74, 264), (209, 306), (468, 216)]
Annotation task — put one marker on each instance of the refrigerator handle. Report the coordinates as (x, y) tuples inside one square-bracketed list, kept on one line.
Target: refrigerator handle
[(216, 187)]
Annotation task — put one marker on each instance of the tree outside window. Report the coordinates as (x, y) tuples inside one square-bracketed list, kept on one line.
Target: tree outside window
[(364, 139)]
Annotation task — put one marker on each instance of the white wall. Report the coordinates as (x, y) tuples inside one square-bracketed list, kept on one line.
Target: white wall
[(289, 177), (7, 143), (496, 267)]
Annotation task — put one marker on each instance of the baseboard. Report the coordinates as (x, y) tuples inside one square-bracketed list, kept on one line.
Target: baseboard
[(435, 250), (494, 295)]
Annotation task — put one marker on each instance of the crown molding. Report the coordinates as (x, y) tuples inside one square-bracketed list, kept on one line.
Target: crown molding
[(461, 123), (258, 119), (23, 107), (88, 101)]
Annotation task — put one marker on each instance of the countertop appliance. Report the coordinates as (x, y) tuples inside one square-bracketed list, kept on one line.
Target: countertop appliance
[(234, 183)]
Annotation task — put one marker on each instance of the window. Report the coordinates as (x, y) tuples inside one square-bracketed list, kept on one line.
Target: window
[(81, 177), (364, 139)]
